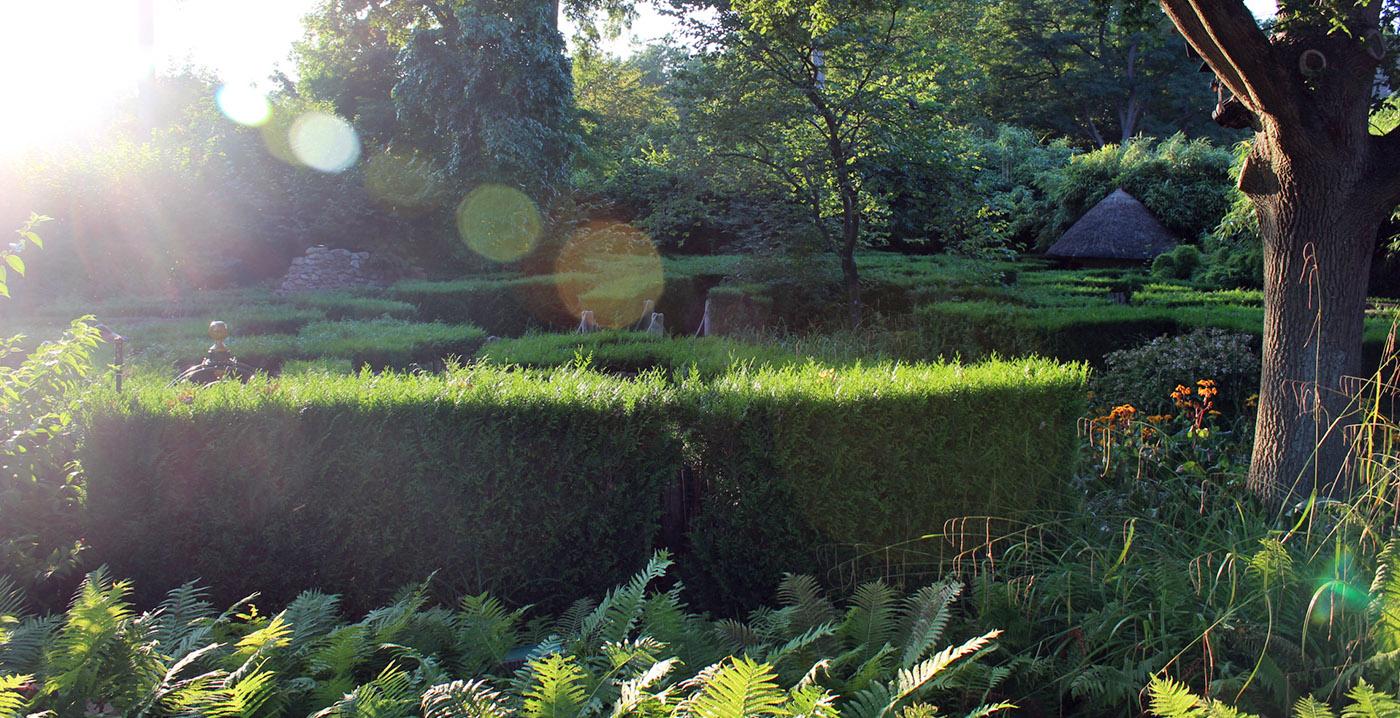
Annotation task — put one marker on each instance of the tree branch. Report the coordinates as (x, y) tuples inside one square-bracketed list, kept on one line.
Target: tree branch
[(1226, 35)]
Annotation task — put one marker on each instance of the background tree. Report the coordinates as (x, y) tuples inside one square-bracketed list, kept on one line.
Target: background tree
[(1102, 72), (807, 98), (1322, 183)]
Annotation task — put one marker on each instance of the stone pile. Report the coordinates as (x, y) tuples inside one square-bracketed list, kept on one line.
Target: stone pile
[(324, 268)]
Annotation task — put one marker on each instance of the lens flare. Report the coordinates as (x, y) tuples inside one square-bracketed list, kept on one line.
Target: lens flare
[(404, 182), (324, 142), (499, 223), (244, 105), (611, 269)]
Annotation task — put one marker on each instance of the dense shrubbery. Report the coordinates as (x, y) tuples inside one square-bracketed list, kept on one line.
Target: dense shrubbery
[(1145, 376)]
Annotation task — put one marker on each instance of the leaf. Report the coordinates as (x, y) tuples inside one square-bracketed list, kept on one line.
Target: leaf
[(463, 699), (1169, 699), (556, 688), (1309, 707), (740, 689), (15, 263)]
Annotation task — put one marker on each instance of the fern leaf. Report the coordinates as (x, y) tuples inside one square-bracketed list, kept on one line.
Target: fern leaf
[(621, 608), (1367, 702), (1309, 707), (873, 701), (735, 636), (870, 621), (986, 710), (741, 688), (1169, 699), (556, 689), (88, 648), (909, 680), (463, 699), (810, 701), (12, 700), (485, 634), (390, 695), (634, 692), (311, 615), (925, 616), (810, 607), (1385, 598)]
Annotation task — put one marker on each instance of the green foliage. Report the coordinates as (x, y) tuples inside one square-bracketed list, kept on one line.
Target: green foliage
[(41, 488), (1183, 262), (1184, 184), (107, 659), (1144, 376)]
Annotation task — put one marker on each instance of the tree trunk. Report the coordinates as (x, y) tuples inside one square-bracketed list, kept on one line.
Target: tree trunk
[(1317, 252)]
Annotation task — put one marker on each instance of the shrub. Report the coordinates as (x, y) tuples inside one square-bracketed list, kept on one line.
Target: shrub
[(1145, 376), (1181, 263)]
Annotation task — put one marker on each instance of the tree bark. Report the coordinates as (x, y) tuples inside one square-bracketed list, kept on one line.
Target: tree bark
[(1321, 184), (1317, 253)]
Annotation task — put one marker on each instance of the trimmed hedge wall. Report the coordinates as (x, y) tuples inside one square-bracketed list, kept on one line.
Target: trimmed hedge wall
[(545, 486), (810, 469), (534, 487)]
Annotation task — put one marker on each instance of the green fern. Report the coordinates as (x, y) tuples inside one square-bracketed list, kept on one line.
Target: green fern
[(1309, 707), (1367, 702), (462, 699), (739, 688), (390, 695), (870, 620), (12, 700), (1385, 599), (809, 606), (636, 692), (556, 689), (924, 617), (485, 632), (615, 617), (89, 658)]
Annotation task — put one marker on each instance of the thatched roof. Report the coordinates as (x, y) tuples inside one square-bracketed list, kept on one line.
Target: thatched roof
[(1118, 227)]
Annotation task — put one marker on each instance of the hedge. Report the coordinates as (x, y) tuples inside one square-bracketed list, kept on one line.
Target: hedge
[(835, 471), (548, 485), (627, 352), (532, 487)]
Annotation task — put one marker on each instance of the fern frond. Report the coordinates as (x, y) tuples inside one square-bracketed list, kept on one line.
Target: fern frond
[(810, 701), (1367, 702), (88, 647), (253, 648), (485, 633), (1309, 707), (463, 699), (620, 609), (22, 642), (311, 615), (873, 701), (811, 607), (390, 695), (985, 710), (798, 643), (12, 700), (869, 622), (740, 689), (634, 692), (1169, 699), (1385, 598), (556, 689), (569, 627), (12, 599), (924, 617), (735, 636), (385, 624), (907, 681)]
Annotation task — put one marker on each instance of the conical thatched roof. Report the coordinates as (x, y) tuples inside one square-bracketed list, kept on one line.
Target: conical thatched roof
[(1118, 227)]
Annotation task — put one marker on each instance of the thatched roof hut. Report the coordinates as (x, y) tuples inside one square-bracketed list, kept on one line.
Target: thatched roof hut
[(1118, 230)]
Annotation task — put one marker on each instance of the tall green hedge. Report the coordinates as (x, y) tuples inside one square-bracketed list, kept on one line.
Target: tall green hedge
[(535, 487), (548, 485), (807, 468)]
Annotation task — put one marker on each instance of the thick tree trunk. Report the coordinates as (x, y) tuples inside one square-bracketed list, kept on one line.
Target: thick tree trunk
[(1317, 251)]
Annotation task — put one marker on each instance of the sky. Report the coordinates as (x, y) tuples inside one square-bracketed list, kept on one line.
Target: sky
[(67, 63)]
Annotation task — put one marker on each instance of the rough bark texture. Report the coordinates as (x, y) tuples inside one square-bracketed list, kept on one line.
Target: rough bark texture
[(1321, 184)]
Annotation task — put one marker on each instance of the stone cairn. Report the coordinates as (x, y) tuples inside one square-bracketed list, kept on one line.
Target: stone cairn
[(324, 268)]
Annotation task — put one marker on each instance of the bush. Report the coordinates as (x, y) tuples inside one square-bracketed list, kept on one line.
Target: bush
[(1146, 375), (1181, 263)]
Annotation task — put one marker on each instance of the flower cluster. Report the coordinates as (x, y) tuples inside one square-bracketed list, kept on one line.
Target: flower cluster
[(1198, 401)]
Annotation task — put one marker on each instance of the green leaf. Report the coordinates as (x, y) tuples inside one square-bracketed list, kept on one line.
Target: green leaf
[(740, 689), (16, 263)]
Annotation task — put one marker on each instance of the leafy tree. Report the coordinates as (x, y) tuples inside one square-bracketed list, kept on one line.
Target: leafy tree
[(806, 98), (1322, 183), (1100, 71), (624, 104)]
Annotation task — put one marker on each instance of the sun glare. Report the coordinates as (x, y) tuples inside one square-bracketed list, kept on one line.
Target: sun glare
[(66, 68)]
